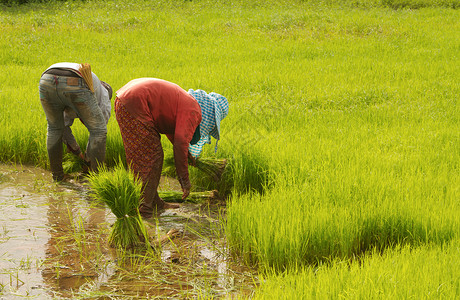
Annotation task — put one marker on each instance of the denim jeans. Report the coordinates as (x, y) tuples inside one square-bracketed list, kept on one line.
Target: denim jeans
[(59, 92)]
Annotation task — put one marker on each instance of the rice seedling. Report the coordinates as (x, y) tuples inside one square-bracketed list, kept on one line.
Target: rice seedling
[(194, 197), (212, 167), (210, 173), (120, 190), (78, 233), (72, 163), (246, 171), (377, 276), (4, 234), (3, 178)]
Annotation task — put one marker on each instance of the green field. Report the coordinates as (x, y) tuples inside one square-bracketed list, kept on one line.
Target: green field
[(343, 133)]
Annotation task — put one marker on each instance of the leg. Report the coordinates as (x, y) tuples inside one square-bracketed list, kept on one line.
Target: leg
[(151, 201), (85, 104), (54, 115), (144, 155)]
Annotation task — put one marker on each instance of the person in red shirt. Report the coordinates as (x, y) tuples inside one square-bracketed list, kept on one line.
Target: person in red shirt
[(146, 108)]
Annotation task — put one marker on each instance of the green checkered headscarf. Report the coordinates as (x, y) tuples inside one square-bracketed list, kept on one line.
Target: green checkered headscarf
[(214, 108)]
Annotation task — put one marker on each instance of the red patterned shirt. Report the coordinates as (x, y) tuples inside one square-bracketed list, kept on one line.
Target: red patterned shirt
[(167, 107)]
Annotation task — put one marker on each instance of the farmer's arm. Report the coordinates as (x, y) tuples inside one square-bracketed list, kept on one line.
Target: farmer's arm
[(190, 158), (102, 97), (185, 127), (67, 136), (69, 140)]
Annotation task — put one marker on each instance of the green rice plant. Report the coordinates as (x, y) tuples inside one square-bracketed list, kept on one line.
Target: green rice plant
[(3, 178), (169, 168), (297, 226), (121, 191), (212, 167), (401, 273), (246, 171), (78, 232), (416, 4), (72, 163), (115, 152)]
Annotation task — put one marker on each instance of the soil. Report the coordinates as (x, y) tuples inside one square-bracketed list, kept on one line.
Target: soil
[(53, 245)]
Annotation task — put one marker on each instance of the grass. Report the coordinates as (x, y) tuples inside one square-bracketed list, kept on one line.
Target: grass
[(342, 137)]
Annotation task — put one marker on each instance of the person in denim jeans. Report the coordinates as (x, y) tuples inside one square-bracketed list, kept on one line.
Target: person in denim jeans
[(64, 91)]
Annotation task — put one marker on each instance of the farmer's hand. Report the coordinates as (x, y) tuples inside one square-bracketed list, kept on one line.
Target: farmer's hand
[(85, 168), (191, 160), (185, 193)]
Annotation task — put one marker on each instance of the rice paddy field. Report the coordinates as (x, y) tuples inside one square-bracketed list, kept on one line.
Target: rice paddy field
[(342, 139)]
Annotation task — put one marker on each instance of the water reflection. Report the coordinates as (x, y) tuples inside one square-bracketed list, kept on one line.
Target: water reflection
[(47, 236), (22, 234), (76, 252)]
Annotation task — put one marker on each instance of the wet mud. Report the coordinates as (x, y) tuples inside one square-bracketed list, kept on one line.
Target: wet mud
[(53, 245)]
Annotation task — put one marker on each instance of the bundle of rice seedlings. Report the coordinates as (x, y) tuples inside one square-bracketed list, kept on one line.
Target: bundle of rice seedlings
[(72, 163), (120, 190), (213, 167), (85, 71), (195, 197)]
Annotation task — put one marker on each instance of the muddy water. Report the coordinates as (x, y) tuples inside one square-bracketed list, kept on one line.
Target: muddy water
[(53, 245)]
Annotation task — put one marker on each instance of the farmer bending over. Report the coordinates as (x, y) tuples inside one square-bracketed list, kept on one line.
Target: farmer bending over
[(148, 107), (65, 95)]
